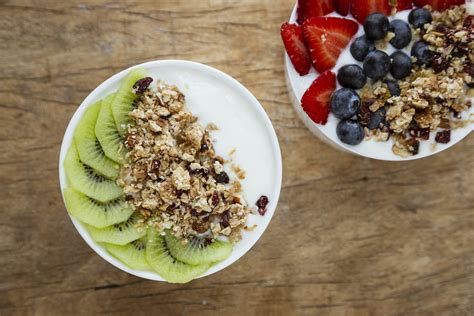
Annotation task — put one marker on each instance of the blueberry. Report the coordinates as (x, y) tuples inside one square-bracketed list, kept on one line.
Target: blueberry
[(401, 65), (350, 132), (377, 118), (376, 26), (345, 103), (419, 17), (402, 32), (376, 65), (361, 47), (351, 76), (393, 87), (422, 52)]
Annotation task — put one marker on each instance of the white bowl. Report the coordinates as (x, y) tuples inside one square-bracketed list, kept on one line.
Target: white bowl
[(214, 97), (297, 85)]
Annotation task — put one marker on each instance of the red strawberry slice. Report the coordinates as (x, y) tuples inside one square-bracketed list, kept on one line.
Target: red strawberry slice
[(404, 5), (326, 37), (360, 9), (313, 8), (293, 39), (316, 99), (342, 6), (439, 5)]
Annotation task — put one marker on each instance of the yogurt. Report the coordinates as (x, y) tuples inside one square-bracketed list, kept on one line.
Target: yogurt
[(297, 86)]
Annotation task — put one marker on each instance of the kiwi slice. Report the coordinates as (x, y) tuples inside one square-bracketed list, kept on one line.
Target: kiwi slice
[(107, 134), (85, 180), (121, 233), (96, 213), (170, 268), (198, 250), (133, 254), (124, 100), (89, 148)]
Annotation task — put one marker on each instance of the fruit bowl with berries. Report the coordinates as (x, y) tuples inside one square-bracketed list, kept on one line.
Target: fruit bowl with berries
[(384, 79)]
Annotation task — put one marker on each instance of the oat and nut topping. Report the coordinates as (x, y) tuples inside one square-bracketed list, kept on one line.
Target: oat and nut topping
[(173, 176), (432, 97)]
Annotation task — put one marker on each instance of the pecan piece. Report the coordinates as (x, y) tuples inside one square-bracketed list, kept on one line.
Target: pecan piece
[(131, 140)]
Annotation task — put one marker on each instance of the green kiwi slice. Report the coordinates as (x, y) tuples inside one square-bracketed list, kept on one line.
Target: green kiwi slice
[(168, 267), (124, 100), (121, 233), (85, 180), (198, 250), (96, 213), (132, 255), (107, 133), (89, 148)]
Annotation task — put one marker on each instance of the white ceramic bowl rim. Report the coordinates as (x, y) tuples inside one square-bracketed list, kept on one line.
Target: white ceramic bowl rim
[(97, 93)]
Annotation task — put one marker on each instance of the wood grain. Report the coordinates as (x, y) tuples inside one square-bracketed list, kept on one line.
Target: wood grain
[(351, 236)]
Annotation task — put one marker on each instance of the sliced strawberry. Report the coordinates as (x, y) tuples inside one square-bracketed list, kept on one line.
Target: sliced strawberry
[(342, 6), (293, 39), (360, 9), (439, 5), (404, 4), (316, 99), (326, 37), (313, 8)]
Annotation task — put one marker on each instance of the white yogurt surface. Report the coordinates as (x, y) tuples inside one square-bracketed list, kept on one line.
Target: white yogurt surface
[(243, 125), (368, 148)]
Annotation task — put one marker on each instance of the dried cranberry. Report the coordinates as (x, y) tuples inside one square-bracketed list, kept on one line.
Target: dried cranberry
[(417, 132), (443, 137), (225, 219), (155, 166), (215, 198), (469, 21), (222, 177), (469, 69), (131, 140), (141, 85), (438, 63), (364, 112), (262, 203)]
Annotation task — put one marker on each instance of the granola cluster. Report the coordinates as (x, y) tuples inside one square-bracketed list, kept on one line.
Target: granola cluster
[(173, 177), (432, 97)]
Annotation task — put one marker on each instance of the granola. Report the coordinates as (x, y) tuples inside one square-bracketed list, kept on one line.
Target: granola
[(433, 97), (173, 177)]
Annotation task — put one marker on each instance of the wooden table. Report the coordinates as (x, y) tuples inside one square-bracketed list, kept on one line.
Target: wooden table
[(351, 236)]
